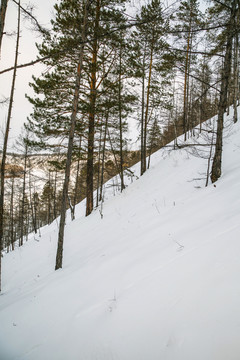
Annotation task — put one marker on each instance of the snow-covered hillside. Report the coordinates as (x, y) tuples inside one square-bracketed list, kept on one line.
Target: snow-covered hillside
[(157, 278)]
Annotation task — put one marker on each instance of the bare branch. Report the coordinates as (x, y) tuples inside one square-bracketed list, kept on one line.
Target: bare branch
[(25, 65), (4, 101), (33, 18)]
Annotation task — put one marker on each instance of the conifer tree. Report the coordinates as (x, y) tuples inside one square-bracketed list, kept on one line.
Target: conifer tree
[(59, 255), (190, 19), (54, 90), (150, 48), (227, 37)]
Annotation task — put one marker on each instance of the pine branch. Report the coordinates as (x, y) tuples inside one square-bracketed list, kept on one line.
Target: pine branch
[(197, 52), (224, 5), (123, 27)]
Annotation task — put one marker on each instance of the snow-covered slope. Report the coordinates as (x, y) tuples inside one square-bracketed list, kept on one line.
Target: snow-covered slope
[(157, 278)]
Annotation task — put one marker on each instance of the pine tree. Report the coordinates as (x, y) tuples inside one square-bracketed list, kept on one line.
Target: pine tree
[(190, 19), (59, 255), (54, 90), (228, 35), (151, 48)]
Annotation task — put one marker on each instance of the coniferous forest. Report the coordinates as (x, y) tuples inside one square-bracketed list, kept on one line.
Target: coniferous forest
[(165, 66)]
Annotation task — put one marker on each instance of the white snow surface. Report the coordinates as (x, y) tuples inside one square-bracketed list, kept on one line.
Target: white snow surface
[(157, 278)]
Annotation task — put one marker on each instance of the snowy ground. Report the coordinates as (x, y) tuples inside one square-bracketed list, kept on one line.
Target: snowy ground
[(157, 278)]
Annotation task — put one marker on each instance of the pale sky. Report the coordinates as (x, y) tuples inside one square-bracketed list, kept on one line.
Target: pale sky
[(28, 52), (22, 108)]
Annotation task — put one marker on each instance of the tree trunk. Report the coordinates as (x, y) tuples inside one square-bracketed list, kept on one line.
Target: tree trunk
[(186, 78), (217, 160), (11, 212), (76, 190), (91, 121), (55, 195), (3, 9), (34, 225), (236, 73), (142, 115), (203, 95), (59, 255), (103, 156), (23, 196), (114, 154), (4, 151), (49, 200), (146, 113), (120, 118)]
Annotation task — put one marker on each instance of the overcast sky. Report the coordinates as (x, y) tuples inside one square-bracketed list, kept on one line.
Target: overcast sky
[(21, 108)]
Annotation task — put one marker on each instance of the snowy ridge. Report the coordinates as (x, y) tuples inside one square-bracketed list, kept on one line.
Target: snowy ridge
[(157, 278)]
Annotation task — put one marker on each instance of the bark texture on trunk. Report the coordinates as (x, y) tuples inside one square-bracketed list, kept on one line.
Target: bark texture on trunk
[(103, 157), (142, 115), (3, 9), (59, 255), (147, 111), (120, 118), (236, 72), (217, 160), (91, 120), (22, 218), (186, 84)]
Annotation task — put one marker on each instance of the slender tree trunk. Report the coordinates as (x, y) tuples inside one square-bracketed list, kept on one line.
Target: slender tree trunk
[(34, 225), (23, 196), (236, 75), (98, 162), (203, 96), (76, 190), (59, 255), (142, 115), (11, 212), (209, 158), (151, 144), (217, 160), (190, 112), (49, 199), (174, 115), (103, 156), (114, 154), (55, 195), (120, 118), (146, 113), (35, 210), (186, 77), (4, 152), (188, 95), (91, 121), (3, 9)]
